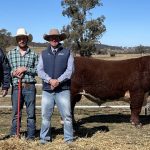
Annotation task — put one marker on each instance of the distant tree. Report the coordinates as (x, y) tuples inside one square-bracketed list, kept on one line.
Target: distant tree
[(83, 33), (5, 39), (112, 54), (140, 49)]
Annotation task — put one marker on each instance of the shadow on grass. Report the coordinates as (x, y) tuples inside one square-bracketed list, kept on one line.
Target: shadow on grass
[(90, 130), (82, 131), (112, 118), (54, 131), (109, 118)]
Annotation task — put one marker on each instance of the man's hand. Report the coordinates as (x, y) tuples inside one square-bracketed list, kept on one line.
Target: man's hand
[(54, 83), (19, 72), (4, 93)]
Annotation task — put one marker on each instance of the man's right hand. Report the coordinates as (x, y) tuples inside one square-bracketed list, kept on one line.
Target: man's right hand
[(19, 72), (14, 74)]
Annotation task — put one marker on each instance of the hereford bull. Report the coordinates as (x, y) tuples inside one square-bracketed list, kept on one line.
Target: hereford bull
[(101, 80)]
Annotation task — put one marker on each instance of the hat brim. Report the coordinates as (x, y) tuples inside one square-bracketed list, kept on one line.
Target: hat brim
[(30, 37), (62, 36)]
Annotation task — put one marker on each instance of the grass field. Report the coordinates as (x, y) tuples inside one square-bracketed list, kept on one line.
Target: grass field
[(96, 129)]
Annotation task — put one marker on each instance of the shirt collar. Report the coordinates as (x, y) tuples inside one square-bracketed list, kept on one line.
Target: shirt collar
[(28, 49), (54, 49)]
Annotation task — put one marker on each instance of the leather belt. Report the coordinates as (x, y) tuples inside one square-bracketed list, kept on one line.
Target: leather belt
[(25, 85)]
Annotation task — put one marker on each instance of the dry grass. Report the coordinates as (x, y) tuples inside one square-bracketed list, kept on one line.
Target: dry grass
[(96, 129), (104, 128), (99, 141), (119, 56), (111, 131)]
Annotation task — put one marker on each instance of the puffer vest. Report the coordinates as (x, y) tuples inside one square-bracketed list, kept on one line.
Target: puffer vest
[(55, 65)]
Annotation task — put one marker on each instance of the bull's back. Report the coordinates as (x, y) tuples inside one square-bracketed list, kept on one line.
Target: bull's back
[(106, 79), (95, 70)]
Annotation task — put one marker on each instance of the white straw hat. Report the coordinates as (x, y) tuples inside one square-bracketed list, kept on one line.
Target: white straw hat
[(23, 32)]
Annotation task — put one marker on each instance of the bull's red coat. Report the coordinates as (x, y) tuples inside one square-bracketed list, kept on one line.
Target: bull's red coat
[(111, 79)]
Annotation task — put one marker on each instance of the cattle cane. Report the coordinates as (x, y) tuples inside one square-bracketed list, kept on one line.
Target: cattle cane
[(18, 113)]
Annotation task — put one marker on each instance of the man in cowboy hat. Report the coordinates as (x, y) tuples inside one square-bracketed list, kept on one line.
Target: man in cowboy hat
[(23, 62), (55, 68)]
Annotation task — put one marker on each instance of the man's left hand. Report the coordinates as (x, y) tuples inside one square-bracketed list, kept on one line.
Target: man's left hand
[(4, 93)]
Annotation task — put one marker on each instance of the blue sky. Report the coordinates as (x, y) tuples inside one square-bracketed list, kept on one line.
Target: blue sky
[(127, 21)]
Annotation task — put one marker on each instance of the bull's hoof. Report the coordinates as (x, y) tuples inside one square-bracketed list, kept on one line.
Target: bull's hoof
[(137, 125)]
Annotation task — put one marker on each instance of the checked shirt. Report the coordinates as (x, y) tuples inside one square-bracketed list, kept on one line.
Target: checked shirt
[(29, 60)]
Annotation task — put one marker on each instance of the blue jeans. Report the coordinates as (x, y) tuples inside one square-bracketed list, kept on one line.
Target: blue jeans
[(28, 97), (62, 100)]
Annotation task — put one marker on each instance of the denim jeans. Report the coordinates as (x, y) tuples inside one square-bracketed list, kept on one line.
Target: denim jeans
[(62, 100), (28, 97)]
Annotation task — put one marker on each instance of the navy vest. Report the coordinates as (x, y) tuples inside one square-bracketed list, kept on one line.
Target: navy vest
[(55, 65)]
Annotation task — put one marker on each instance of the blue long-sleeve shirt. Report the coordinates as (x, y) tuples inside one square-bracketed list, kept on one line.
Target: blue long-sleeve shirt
[(66, 75)]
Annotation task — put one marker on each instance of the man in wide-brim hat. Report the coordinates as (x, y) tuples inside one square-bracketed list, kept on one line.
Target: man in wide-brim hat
[(55, 68), (54, 33), (23, 62), (21, 32)]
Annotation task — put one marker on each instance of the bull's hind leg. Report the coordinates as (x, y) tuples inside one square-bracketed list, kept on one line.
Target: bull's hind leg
[(137, 98)]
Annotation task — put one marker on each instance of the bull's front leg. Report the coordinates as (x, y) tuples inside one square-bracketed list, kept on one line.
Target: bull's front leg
[(137, 98), (74, 100)]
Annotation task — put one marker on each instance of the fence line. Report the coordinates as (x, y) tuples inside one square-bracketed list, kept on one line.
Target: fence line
[(146, 108), (83, 106), (10, 96)]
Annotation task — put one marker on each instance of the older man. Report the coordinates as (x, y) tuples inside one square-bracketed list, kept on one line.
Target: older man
[(55, 68)]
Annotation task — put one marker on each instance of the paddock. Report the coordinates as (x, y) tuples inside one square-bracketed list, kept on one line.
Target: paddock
[(98, 127)]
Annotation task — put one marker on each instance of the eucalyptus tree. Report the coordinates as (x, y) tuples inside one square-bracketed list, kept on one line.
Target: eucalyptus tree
[(84, 31), (5, 39)]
